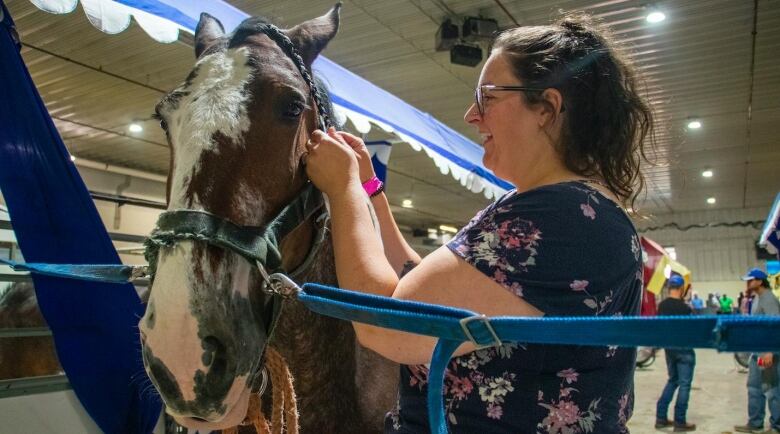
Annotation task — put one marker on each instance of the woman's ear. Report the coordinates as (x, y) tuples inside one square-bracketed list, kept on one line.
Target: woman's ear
[(551, 106)]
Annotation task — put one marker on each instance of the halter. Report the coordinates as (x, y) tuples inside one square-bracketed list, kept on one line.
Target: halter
[(259, 245)]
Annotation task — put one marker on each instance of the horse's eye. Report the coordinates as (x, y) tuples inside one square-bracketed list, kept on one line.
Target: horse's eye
[(293, 110), (158, 116)]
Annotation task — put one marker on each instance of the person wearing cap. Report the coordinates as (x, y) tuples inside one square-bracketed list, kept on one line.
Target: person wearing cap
[(679, 364), (762, 388)]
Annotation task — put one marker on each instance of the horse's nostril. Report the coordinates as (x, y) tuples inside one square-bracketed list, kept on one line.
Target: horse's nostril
[(212, 348)]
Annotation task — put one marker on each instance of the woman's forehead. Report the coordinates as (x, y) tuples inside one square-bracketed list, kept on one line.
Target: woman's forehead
[(497, 70)]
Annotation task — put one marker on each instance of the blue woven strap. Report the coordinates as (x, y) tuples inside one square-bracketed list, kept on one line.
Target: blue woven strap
[(455, 326), (106, 273)]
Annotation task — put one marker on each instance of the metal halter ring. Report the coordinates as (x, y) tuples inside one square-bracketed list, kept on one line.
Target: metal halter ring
[(277, 283)]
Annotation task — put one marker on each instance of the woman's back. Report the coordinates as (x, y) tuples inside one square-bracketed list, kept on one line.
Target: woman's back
[(569, 251)]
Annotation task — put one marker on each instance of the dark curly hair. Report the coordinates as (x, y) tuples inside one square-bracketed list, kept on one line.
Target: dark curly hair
[(606, 122)]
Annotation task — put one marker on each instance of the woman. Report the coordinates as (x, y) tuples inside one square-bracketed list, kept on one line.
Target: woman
[(561, 120)]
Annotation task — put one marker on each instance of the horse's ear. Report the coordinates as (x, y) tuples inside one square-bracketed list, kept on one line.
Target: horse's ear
[(209, 29), (312, 36)]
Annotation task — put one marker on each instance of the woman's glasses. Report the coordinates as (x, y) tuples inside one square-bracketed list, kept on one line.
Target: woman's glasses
[(480, 91)]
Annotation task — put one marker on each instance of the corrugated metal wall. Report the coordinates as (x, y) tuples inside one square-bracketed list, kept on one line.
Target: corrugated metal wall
[(712, 254)]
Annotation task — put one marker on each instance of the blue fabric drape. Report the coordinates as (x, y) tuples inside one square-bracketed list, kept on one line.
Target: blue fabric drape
[(55, 221)]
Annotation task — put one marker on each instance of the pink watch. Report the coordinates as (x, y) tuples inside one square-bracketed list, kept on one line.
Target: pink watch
[(373, 186)]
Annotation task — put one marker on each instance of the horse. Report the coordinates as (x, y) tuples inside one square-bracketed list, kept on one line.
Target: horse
[(237, 129), (24, 356)]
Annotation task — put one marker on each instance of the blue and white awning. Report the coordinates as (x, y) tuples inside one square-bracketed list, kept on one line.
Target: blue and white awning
[(354, 97), (770, 234)]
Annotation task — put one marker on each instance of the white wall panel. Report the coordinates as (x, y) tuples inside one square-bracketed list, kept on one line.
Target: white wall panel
[(715, 254)]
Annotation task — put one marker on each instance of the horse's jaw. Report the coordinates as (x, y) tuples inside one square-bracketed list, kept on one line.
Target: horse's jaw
[(232, 418)]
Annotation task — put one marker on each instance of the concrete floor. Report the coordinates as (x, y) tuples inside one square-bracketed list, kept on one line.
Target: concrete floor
[(718, 399)]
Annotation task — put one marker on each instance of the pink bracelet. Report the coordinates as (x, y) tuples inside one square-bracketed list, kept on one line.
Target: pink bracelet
[(373, 186)]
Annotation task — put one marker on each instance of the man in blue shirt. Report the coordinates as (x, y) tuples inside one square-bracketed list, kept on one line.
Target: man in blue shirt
[(763, 372)]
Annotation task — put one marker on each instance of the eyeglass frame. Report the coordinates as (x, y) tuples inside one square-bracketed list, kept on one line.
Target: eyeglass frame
[(480, 90)]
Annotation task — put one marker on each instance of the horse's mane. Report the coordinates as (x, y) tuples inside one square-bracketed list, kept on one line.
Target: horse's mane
[(17, 303)]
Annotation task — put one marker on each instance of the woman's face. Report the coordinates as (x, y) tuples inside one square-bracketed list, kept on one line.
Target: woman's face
[(510, 129)]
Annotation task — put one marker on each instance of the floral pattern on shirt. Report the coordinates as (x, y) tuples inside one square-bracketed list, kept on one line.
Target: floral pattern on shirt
[(491, 390), (575, 390), (506, 247), (564, 415)]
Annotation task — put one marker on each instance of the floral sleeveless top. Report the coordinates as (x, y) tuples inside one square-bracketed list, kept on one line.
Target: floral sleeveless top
[(569, 251)]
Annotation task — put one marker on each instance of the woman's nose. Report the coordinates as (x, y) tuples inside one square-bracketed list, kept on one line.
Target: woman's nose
[(472, 114)]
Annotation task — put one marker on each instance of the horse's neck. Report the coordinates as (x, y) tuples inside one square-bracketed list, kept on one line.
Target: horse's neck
[(340, 386), (320, 352)]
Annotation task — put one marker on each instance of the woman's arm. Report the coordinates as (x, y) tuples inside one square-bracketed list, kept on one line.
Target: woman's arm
[(441, 278), (397, 250)]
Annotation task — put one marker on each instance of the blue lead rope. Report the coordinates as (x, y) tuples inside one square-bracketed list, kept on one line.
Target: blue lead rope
[(456, 326), (106, 273)]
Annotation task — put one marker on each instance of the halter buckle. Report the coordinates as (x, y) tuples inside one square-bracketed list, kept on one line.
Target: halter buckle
[(485, 321)]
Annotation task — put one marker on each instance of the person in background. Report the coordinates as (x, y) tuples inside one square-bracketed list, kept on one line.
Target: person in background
[(679, 364), (726, 304), (713, 305), (744, 302), (697, 304), (762, 388)]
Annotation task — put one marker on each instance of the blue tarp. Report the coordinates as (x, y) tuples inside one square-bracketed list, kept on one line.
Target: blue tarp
[(347, 90), (55, 221)]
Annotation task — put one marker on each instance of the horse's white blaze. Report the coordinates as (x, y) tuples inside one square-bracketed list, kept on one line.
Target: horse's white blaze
[(216, 102), (174, 338)]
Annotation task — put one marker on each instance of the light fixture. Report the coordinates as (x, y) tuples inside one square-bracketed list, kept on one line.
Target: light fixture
[(655, 17), (707, 173), (711, 200), (135, 128), (407, 203), (694, 124), (72, 158), (446, 228)]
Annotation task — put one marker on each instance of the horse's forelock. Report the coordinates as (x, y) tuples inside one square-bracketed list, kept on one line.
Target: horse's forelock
[(248, 27)]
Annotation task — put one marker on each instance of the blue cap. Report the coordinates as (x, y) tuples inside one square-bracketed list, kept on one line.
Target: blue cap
[(676, 281), (755, 273)]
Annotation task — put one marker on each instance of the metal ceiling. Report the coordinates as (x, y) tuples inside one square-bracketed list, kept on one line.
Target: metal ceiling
[(697, 63)]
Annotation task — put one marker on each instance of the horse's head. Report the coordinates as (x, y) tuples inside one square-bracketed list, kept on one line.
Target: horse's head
[(237, 128)]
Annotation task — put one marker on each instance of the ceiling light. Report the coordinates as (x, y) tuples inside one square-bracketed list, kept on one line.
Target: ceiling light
[(694, 124), (135, 128), (446, 228), (710, 200), (655, 17), (407, 203), (72, 158), (707, 173)]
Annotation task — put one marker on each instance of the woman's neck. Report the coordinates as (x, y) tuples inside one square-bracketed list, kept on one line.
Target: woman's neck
[(543, 176)]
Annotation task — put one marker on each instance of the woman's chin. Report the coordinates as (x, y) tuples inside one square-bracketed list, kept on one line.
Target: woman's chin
[(233, 418)]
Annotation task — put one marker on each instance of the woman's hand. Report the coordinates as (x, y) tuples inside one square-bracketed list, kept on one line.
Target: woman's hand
[(363, 156), (331, 164)]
